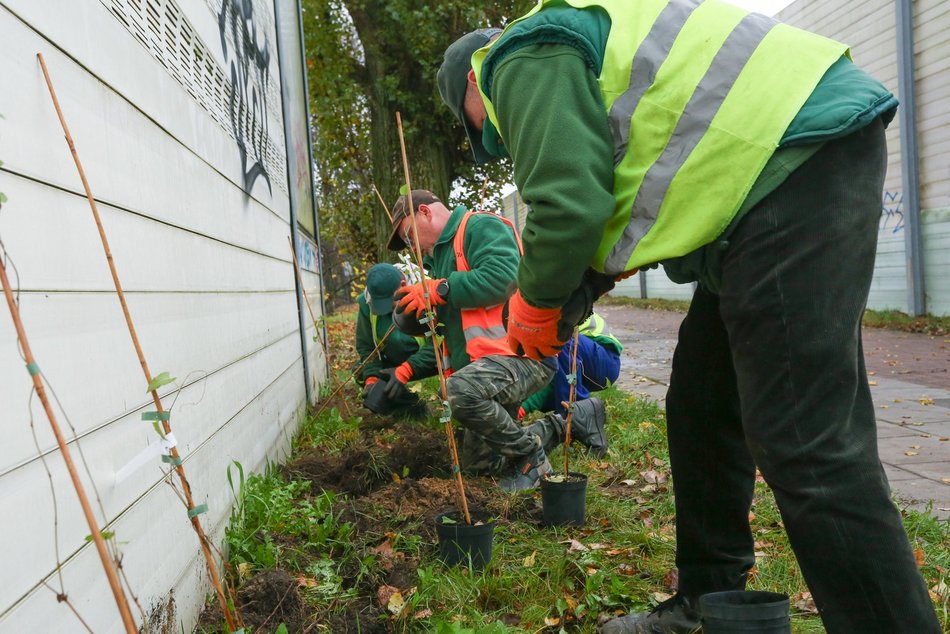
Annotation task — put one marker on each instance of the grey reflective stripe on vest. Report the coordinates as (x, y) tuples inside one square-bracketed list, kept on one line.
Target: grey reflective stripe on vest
[(495, 332), (690, 129), (650, 55)]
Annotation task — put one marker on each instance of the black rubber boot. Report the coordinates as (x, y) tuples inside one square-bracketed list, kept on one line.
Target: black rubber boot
[(677, 615), (587, 425), (526, 472)]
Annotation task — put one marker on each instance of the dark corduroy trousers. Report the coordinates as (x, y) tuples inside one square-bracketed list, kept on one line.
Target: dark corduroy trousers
[(770, 374)]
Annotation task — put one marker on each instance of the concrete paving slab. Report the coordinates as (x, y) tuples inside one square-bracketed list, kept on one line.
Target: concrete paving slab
[(906, 450), (891, 430), (913, 412), (895, 473)]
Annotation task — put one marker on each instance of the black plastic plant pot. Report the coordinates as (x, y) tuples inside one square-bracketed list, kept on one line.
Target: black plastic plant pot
[(375, 400), (563, 500), (739, 612), (464, 544)]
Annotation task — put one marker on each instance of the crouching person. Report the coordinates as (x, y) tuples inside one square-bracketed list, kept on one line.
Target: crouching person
[(473, 259), (598, 366), (398, 359)]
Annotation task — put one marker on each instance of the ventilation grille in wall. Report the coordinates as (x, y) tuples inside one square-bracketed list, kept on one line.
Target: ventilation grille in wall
[(250, 110)]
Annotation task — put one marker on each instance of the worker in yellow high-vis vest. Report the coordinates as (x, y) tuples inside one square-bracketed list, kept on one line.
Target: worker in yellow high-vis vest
[(747, 156)]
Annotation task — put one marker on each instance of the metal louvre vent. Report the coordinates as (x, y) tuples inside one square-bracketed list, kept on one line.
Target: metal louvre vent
[(239, 97)]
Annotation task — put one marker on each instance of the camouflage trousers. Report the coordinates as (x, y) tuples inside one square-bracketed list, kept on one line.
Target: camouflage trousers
[(485, 396)]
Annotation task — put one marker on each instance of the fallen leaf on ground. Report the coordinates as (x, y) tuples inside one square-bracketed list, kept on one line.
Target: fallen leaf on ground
[(653, 477), (551, 621), (529, 560), (671, 580), (872, 382), (422, 614), (391, 598), (660, 597), (629, 483), (576, 546), (910, 453), (805, 603), (919, 557), (926, 401)]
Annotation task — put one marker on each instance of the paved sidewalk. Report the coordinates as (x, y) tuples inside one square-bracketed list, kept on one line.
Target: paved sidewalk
[(913, 418)]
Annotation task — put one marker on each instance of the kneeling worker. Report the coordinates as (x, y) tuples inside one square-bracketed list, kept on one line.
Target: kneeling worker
[(399, 359), (598, 366), (473, 259)]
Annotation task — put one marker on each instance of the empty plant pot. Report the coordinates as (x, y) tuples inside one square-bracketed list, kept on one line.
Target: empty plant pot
[(739, 612), (563, 500), (461, 543)]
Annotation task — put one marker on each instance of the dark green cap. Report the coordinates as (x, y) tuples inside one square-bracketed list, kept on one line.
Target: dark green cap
[(382, 280), (453, 82)]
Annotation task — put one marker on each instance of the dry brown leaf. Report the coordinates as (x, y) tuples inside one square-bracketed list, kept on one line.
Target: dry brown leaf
[(629, 483), (390, 598), (751, 516), (910, 453), (306, 582), (671, 580), (653, 477), (872, 382), (551, 621), (422, 614), (926, 401), (660, 597), (577, 546), (919, 557), (529, 560), (804, 602), (511, 619)]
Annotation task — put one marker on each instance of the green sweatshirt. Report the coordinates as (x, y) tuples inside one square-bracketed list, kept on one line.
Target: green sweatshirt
[(493, 256), (542, 79), (399, 347)]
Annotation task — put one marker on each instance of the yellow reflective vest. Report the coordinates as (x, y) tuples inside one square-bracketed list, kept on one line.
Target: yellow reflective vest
[(698, 95)]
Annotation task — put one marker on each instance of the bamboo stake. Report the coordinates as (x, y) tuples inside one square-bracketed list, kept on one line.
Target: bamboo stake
[(100, 543), (449, 430), (195, 522), (357, 370), (570, 403)]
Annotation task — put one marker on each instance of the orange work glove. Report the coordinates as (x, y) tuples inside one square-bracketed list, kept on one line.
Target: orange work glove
[(397, 384), (411, 298), (532, 331), (368, 384)]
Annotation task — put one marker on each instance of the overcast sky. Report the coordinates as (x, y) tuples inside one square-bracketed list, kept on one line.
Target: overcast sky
[(768, 7)]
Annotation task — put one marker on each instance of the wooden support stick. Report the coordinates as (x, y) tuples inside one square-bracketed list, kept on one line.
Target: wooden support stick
[(449, 430), (100, 543), (195, 522)]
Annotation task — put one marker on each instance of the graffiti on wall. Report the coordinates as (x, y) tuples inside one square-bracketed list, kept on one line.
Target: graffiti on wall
[(249, 60), (892, 213)]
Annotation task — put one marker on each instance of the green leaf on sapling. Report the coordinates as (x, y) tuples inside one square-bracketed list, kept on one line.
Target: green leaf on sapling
[(162, 379)]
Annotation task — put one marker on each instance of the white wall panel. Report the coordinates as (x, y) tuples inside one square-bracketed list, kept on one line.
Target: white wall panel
[(202, 251)]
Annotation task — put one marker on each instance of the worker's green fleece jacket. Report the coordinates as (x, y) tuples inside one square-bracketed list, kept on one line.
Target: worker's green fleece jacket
[(541, 77), (398, 348), (492, 253)]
